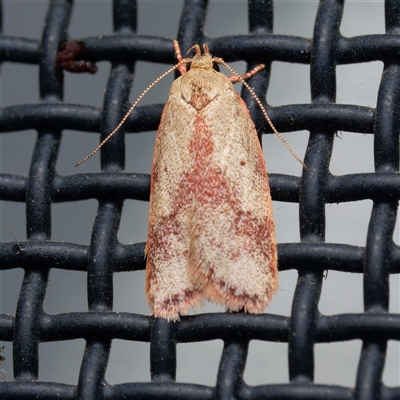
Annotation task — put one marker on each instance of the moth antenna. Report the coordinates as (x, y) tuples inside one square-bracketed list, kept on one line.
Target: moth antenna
[(9, 230), (196, 47), (184, 61), (256, 98)]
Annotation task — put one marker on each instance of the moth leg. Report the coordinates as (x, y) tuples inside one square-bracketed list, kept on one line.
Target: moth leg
[(247, 75), (182, 68)]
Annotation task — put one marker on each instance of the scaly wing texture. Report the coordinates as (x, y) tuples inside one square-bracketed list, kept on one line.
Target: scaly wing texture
[(211, 229), (232, 253), (168, 288)]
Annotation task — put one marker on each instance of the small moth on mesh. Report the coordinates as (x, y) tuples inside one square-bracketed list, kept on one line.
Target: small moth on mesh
[(211, 229)]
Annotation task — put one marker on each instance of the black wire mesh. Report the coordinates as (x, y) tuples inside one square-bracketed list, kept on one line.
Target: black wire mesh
[(105, 256)]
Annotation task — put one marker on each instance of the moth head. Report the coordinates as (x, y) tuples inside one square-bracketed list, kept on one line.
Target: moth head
[(204, 60)]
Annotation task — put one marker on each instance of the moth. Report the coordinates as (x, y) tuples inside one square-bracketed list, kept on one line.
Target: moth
[(211, 228), (211, 232)]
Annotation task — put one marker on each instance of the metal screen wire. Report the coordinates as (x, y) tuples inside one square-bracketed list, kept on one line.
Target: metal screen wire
[(74, 321)]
